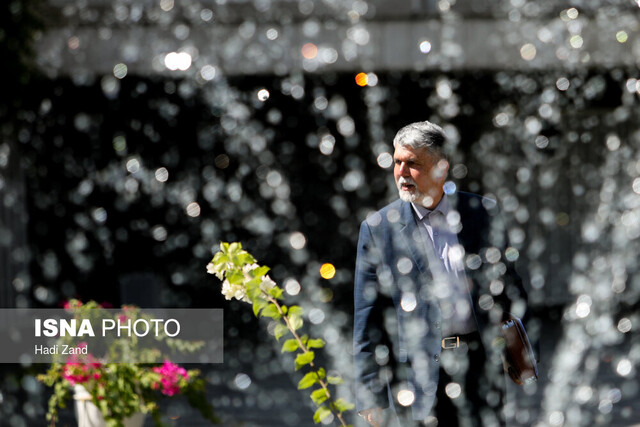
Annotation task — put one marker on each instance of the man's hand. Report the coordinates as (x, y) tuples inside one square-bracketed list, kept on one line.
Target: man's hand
[(373, 416)]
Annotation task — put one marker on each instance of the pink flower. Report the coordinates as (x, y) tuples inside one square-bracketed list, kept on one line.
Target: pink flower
[(170, 374), (78, 371), (71, 304), (75, 373)]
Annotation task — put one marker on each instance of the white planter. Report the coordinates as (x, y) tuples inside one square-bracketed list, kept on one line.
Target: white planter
[(88, 414)]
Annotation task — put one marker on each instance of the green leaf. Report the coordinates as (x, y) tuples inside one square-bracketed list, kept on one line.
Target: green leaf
[(308, 380), (315, 343), (234, 248), (295, 321), (342, 405), (220, 258), (318, 396), (254, 292), (258, 304), (260, 271), (104, 406), (271, 311), (320, 414), (244, 258), (294, 309), (322, 373), (235, 277), (290, 345), (304, 359), (275, 292), (253, 284), (334, 380), (280, 331)]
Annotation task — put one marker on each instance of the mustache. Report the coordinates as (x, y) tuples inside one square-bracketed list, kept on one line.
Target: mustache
[(403, 180)]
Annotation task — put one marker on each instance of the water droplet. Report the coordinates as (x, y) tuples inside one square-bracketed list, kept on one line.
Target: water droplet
[(562, 83), (624, 367), (133, 165), (292, 287), (177, 61), (193, 209), (208, 72), (404, 265), (263, 95), (385, 160), (162, 174), (453, 390), (242, 381), (272, 34), (408, 301), (309, 51), (316, 316), (297, 240), (120, 71), (528, 52), (425, 46), (622, 36), (624, 325), (406, 397)]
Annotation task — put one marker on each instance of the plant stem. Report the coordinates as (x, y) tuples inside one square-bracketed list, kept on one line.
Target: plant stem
[(304, 348)]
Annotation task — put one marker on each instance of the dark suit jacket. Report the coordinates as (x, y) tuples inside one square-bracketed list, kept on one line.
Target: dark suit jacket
[(397, 347)]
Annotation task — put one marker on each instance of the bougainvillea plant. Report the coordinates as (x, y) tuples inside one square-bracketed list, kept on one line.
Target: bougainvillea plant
[(245, 280), (120, 390)]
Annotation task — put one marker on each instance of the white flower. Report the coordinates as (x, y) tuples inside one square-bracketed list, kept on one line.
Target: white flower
[(211, 269), (267, 283), (234, 291), (217, 269), (248, 267)]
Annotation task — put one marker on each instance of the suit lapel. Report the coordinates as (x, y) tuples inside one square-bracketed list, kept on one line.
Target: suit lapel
[(413, 239)]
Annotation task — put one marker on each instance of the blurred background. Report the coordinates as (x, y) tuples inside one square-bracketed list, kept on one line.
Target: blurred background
[(137, 135)]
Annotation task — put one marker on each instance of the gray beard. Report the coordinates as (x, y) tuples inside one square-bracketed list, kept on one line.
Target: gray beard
[(419, 198), (405, 196)]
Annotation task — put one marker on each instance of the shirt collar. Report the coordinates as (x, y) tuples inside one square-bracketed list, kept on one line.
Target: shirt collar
[(442, 207)]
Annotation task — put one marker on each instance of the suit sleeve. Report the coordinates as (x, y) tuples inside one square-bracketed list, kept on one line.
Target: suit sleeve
[(514, 299), (369, 304)]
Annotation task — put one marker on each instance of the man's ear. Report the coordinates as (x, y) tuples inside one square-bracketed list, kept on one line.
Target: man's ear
[(445, 166)]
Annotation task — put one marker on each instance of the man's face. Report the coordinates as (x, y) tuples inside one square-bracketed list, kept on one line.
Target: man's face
[(419, 175)]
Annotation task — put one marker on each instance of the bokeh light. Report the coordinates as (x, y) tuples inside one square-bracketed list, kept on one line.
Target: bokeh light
[(263, 95), (327, 271), (205, 124), (309, 51), (425, 46), (120, 71), (406, 397), (177, 61), (362, 79), (528, 52)]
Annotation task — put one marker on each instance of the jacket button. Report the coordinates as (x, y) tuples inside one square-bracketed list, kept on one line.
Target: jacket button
[(436, 358), (437, 324)]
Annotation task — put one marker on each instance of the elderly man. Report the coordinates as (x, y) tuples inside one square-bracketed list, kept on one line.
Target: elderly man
[(434, 280)]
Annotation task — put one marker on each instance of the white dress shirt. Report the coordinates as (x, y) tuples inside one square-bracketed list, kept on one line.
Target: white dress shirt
[(446, 263)]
